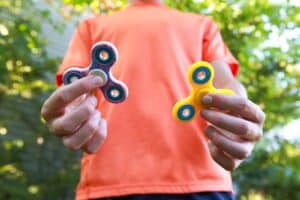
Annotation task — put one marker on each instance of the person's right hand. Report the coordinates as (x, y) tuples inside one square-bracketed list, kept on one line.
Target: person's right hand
[(71, 113)]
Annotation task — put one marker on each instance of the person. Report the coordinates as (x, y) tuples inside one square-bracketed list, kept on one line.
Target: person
[(136, 150)]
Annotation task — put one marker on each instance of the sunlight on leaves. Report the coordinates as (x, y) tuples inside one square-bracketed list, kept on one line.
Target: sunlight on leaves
[(11, 169), (3, 131), (33, 189)]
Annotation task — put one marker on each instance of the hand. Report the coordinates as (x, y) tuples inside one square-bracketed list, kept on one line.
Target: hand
[(71, 114), (236, 124)]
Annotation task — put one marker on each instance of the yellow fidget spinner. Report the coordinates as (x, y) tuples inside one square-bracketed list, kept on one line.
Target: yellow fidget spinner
[(200, 76)]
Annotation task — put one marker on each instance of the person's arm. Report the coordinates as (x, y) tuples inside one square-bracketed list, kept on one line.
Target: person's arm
[(77, 122), (71, 112), (236, 125), (225, 79)]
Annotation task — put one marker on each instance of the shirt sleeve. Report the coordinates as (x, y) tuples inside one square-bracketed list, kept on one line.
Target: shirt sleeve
[(214, 47), (78, 52)]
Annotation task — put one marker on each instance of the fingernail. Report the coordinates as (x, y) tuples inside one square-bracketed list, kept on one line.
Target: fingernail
[(206, 99), (97, 80)]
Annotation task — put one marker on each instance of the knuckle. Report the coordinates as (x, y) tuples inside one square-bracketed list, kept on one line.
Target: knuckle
[(56, 128), (259, 134), (102, 135), (99, 114), (51, 128), (213, 150), (87, 110), (60, 127), (69, 144), (243, 104), (214, 153), (217, 119), (90, 127), (243, 154), (103, 128), (231, 165), (216, 139), (207, 131), (89, 151), (263, 117), (84, 85), (244, 128), (44, 111), (259, 115), (62, 96)]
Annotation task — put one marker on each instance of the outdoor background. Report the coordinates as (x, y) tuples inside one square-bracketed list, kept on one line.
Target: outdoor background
[(263, 34)]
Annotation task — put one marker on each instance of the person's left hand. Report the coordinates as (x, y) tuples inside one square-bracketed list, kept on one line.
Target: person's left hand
[(235, 125)]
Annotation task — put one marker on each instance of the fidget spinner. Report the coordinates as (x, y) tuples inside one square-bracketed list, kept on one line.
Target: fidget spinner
[(103, 55), (200, 76)]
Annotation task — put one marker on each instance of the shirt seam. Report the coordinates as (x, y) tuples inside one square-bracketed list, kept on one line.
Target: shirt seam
[(208, 186)]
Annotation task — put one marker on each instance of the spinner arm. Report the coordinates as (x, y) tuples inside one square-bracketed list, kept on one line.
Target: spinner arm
[(103, 57), (200, 76)]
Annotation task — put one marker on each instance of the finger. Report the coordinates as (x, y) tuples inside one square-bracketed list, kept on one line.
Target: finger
[(241, 127), (235, 104), (73, 119), (222, 159), (229, 135), (74, 104), (93, 144), (55, 104), (78, 139), (239, 150)]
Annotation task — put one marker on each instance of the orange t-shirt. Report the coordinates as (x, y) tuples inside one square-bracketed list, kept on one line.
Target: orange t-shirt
[(146, 150)]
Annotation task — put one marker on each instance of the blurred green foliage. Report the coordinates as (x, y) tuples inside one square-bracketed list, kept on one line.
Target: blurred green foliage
[(33, 165), (264, 36)]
